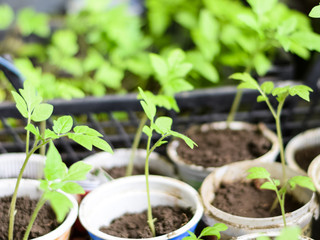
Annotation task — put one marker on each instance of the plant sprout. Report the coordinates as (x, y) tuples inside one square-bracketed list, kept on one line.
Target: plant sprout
[(57, 176), (281, 94), (161, 125), (315, 12), (170, 72), (208, 231), (273, 184)]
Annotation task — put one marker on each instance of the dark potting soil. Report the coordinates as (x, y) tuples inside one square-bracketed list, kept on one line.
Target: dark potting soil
[(45, 221), (246, 199), (168, 219), (219, 147), (117, 172), (304, 156)]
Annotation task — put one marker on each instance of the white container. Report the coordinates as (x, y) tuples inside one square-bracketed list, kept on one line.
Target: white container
[(195, 174), (237, 225), (253, 236), (128, 195), (119, 158), (11, 164), (308, 138), (29, 188), (314, 172)]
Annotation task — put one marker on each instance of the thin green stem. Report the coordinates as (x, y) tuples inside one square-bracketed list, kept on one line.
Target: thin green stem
[(40, 203), (43, 126), (281, 201), (279, 133), (28, 137), (15, 193), (135, 145), (234, 107), (149, 151)]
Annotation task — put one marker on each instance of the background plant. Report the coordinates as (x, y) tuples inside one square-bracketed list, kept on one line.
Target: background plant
[(208, 231), (161, 125), (57, 177)]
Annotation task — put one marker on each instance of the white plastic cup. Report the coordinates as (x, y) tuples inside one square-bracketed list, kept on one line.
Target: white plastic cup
[(237, 225), (29, 187), (314, 172), (128, 195)]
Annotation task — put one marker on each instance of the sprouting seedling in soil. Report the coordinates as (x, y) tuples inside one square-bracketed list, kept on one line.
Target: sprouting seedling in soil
[(280, 190), (161, 125), (170, 72), (31, 107), (281, 94), (208, 231), (292, 233)]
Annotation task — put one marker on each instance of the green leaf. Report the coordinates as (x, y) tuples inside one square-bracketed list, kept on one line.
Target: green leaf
[(6, 16), (261, 63), (78, 171), (186, 139), (269, 186), (34, 130), (101, 144), (164, 124), (292, 233), (20, 104), (87, 130), (261, 98), (258, 172), (81, 139), (175, 57), (260, 7), (42, 112), (302, 91), (315, 12), (191, 236), (62, 124), (147, 104), (302, 181), (214, 230), (50, 134), (247, 80), (159, 65), (147, 131), (267, 87), (72, 188), (54, 167), (60, 204)]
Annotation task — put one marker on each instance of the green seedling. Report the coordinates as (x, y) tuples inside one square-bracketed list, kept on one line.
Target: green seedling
[(280, 94), (161, 125), (170, 72), (57, 176), (208, 231), (280, 189)]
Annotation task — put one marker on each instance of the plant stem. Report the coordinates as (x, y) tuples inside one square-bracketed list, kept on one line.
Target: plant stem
[(149, 151), (40, 203), (279, 133), (135, 145), (43, 125), (234, 107), (281, 201), (15, 193)]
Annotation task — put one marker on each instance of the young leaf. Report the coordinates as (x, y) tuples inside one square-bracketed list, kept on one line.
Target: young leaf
[(20, 104), (78, 171), (72, 188), (148, 106), (267, 87), (191, 236), (248, 81), (147, 131), (87, 131), (302, 91), (6, 16), (187, 140), (159, 65), (34, 130), (60, 204), (42, 112), (176, 57), (54, 167), (50, 134), (83, 140), (62, 124), (268, 185), (101, 144), (292, 233), (214, 230), (315, 12), (163, 124), (302, 181), (258, 172)]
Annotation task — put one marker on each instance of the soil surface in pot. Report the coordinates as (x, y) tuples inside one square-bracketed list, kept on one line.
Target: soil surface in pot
[(219, 147), (304, 156), (246, 199), (117, 172), (45, 221), (135, 225)]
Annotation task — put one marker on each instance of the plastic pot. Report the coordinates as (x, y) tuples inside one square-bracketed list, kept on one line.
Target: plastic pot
[(29, 188), (128, 195), (271, 235), (119, 158), (237, 225), (195, 174), (303, 140), (11, 164), (314, 172)]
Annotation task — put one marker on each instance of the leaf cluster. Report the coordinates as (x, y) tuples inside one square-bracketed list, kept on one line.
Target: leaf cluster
[(208, 231)]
